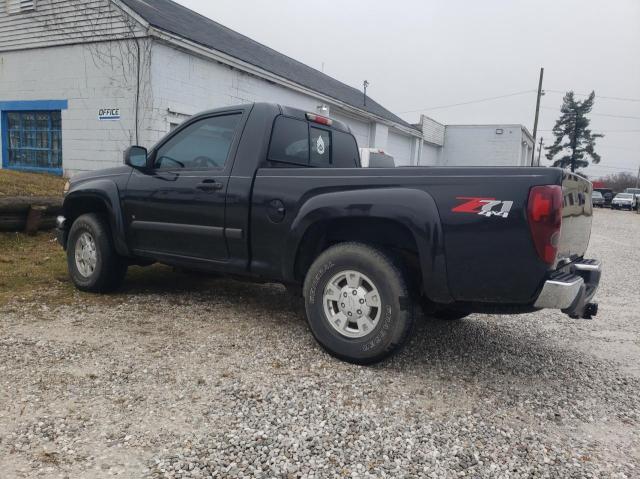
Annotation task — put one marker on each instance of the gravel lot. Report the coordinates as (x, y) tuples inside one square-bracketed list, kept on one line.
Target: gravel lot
[(227, 382)]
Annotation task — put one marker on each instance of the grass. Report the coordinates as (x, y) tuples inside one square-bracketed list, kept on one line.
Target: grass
[(35, 268), (17, 183), (30, 264)]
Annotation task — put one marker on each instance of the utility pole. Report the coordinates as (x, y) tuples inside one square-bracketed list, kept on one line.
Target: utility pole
[(366, 84), (535, 122), (539, 151), (638, 180)]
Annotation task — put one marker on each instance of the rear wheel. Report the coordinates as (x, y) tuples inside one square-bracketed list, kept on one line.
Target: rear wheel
[(93, 263), (358, 303)]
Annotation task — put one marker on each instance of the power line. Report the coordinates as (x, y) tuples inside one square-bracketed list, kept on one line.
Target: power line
[(616, 116), (597, 96), (611, 167), (600, 114), (605, 146), (611, 131), (480, 100)]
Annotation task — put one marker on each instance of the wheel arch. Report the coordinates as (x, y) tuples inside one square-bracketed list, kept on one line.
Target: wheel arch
[(402, 219), (100, 196)]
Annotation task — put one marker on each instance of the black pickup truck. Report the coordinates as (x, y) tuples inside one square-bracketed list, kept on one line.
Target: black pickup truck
[(275, 194)]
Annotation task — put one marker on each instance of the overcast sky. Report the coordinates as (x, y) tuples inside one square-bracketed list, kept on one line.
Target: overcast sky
[(425, 54)]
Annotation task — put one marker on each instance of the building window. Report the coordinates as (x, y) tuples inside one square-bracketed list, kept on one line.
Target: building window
[(20, 6), (33, 140)]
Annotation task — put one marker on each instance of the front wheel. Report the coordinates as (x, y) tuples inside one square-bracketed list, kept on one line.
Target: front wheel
[(93, 263), (358, 303)]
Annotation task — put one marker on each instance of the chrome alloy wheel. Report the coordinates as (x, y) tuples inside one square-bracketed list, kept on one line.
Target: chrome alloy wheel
[(352, 304), (86, 255)]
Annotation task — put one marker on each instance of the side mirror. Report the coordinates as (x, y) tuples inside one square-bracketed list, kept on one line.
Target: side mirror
[(135, 156)]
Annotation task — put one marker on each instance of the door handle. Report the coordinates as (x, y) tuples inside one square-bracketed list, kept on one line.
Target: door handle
[(210, 185)]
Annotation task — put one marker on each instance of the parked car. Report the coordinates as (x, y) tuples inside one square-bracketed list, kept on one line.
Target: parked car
[(624, 201), (607, 193), (635, 192), (274, 194), (597, 199)]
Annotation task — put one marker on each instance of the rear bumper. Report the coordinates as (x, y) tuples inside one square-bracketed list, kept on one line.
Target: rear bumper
[(572, 289)]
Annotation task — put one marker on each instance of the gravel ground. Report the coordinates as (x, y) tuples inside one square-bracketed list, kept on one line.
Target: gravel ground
[(227, 382)]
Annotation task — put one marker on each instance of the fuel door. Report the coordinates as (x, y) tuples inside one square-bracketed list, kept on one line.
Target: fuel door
[(276, 211)]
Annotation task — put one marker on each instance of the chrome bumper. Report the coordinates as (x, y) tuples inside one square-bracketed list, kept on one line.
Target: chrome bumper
[(572, 289)]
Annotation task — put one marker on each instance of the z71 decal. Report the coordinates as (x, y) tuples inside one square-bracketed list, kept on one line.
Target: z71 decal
[(483, 206)]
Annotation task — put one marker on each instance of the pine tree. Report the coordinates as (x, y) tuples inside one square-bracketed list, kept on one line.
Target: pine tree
[(573, 138)]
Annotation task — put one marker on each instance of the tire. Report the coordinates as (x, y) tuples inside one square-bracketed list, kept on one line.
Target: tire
[(99, 269), (377, 327)]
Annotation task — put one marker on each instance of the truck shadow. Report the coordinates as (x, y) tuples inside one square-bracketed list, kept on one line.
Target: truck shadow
[(481, 345)]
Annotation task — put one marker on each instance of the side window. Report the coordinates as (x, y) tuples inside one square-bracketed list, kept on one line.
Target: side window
[(290, 141), (345, 151), (320, 148), (203, 144)]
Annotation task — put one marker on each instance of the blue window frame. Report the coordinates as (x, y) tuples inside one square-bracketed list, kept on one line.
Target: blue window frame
[(34, 140), (32, 135)]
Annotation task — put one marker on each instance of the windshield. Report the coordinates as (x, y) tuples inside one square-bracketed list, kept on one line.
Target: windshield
[(597, 194), (624, 196)]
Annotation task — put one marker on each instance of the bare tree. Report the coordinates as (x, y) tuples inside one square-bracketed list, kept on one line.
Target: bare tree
[(618, 182), (116, 44)]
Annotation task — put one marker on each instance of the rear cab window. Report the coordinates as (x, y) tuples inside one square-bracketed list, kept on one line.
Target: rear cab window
[(300, 143)]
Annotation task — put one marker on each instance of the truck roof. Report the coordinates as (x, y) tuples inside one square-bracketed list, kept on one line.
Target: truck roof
[(284, 110)]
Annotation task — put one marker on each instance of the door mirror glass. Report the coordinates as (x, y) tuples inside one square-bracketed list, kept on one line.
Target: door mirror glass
[(136, 156)]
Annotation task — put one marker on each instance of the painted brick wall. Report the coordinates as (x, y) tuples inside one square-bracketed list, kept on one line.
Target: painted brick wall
[(174, 85), (72, 73), (186, 84)]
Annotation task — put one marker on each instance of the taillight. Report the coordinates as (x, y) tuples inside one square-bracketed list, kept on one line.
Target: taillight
[(322, 120), (545, 219)]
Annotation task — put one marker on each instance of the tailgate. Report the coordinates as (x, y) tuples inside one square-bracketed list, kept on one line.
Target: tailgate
[(577, 213)]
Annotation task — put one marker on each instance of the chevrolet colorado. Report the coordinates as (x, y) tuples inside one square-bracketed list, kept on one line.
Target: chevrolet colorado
[(275, 194)]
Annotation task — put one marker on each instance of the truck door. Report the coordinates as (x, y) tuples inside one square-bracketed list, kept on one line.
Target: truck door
[(176, 206)]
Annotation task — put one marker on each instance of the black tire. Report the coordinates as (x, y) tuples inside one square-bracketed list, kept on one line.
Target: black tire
[(396, 305), (110, 268)]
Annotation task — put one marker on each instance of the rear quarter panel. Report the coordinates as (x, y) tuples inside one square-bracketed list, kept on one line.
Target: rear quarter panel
[(486, 258)]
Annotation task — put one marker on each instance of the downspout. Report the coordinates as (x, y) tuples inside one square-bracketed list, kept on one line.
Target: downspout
[(137, 105)]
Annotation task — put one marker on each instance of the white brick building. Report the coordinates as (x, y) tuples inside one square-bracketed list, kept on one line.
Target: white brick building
[(80, 80)]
